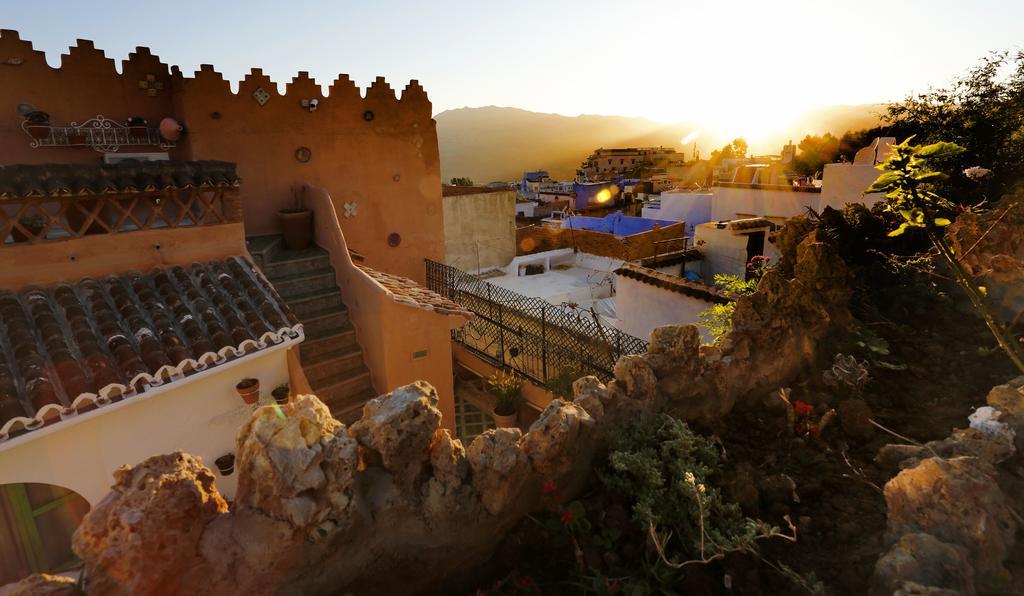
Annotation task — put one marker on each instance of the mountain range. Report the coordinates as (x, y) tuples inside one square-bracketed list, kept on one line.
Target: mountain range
[(500, 143)]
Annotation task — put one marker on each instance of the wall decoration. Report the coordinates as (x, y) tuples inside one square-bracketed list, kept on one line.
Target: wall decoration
[(261, 96), (394, 239), (351, 209), (303, 154), (14, 61), (368, 115), (151, 85)]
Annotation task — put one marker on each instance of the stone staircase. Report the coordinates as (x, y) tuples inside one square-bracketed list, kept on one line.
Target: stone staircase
[(331, 357)]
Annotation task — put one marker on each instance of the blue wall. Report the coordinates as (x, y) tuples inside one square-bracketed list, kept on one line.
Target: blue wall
[(615, 223)]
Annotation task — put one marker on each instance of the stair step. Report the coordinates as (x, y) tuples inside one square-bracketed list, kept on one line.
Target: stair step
[(352, 412), (277, 269), (304, 282), (317, 301), (322, 340), (328, 318), (350, 394), (335, 362)]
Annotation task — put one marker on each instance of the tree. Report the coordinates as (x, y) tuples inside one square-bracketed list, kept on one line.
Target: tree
[(739, 147), (462, 182), (983, 112), (815, 152)]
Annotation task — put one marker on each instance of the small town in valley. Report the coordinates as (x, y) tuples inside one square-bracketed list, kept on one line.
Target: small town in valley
[(301, 334)]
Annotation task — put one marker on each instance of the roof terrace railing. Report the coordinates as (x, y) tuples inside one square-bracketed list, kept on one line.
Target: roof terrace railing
[(529, 335)]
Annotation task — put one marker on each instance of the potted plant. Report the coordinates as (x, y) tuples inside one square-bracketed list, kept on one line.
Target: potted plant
[(296, 222), (508, 395), (137, 127), (38, 125), (225, 464), (280, 394), (249, 390)]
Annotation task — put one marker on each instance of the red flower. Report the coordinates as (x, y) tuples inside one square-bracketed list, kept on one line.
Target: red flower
[(567, 518), (526, 582), (801, 408), (550, 486)]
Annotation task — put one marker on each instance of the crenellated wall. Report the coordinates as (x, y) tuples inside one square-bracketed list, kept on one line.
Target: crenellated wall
[(376, 150)]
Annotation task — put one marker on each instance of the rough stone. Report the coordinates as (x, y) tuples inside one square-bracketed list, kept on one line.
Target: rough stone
[(152, 520), (41, 584), (499, 467), (970, 442), (400, 428), (297, 467), (558, 440), (778, 488), (916, 589), (637, 377), (923, 559), (958, 501), (855, 418), (1009, 399)]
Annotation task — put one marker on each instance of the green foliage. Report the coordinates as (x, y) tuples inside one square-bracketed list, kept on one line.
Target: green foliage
[(561, 385), (717, 319), (982, 111), (906, 180), (507, 389), (462, 182)]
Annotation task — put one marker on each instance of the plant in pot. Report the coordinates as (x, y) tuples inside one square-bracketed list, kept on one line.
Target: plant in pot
[(137, 127), (297, 222), (508, 395), (38, 124), (249, 390), (280, 394)]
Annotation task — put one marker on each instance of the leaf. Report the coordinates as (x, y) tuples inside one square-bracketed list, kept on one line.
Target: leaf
[(983, 290), (940, 149), (926, 176), (884, 182), (899, 231), (941, 222)]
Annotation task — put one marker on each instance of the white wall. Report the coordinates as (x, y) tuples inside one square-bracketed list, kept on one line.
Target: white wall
[(844, 183), (200, 415), (729, 202), (642, 308), (692, 207)]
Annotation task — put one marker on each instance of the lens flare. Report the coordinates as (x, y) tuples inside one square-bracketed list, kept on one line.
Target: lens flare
[(689, 138), (603, 196)]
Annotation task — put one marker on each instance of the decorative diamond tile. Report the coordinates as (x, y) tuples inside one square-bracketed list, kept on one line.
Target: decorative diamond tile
[(351, 209), (261, 96), (151, 85)]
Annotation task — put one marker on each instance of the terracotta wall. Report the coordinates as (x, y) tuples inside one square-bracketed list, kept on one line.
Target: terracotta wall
[(378, 151), (390, 332), (534, 239)]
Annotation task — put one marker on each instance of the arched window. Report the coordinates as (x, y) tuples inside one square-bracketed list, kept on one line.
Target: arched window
[(36, 524)]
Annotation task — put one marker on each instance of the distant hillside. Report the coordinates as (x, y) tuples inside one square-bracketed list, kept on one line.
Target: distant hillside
[(495, 143)]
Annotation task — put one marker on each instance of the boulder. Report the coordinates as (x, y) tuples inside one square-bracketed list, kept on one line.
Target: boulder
[(560, 440), (499, 467), (143, 537), (637, 377), (298, 467), (1009, 400), (399, 427), (958, 501), (923, 559)]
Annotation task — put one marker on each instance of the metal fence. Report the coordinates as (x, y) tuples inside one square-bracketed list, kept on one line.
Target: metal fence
[(532, 336)]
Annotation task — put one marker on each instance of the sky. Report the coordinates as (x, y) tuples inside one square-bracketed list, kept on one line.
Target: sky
[(728, 64)]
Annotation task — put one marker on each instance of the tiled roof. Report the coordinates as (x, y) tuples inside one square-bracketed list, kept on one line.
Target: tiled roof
[(52, 180), (456, 191), (672, 283), (71, 348), (409, 292)]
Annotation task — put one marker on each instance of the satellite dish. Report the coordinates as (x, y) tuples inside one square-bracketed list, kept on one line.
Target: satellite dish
[(25, 108)]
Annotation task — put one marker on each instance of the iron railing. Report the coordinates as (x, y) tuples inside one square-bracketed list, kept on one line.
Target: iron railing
[(532, 336)]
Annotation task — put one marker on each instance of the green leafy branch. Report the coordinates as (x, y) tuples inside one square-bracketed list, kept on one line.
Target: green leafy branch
[(907, 181)]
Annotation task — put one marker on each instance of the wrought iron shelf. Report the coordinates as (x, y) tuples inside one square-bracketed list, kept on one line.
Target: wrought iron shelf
[(100, 133)]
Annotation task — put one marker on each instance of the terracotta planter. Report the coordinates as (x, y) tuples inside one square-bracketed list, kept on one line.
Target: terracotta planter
[(297, 227), (225, 464), (280, 395), (505, 420), (248, 390)]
